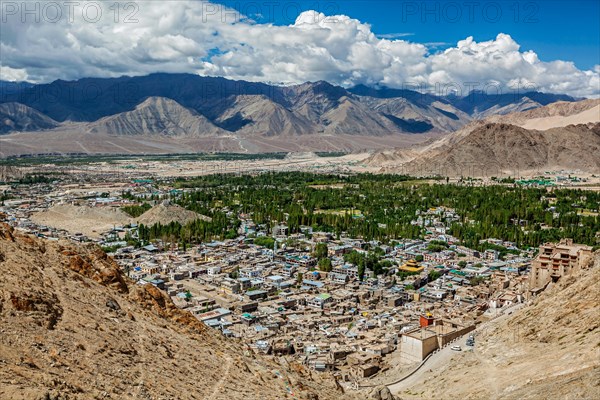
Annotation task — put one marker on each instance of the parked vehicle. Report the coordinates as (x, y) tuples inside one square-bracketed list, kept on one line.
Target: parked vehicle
[(456, 348)]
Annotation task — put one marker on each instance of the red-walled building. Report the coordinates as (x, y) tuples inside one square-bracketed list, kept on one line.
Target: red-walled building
[(426, 320)]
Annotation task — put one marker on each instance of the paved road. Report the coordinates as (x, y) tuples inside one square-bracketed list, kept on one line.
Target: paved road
[(444, 356), (436, 361)]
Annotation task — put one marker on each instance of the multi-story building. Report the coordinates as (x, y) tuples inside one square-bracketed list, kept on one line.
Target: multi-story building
[(250, 273), (556, 260), (280, 231), (320, 301), (351, 271), (491, 255), (338, 278), (230, 286)]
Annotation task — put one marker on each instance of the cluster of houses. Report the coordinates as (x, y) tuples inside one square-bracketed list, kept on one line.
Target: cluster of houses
[(278, 301)]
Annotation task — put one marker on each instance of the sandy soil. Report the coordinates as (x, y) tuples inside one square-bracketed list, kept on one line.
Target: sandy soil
[(165, 214), (91, 221), (558, 121), (66, 142), (181, 168)]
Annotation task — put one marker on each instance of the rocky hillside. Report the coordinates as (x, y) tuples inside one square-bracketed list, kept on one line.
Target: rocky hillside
[(497, 149), (156, 116), (550, 350), (73, 327), (164, 214), (16, 117), (502, 145)]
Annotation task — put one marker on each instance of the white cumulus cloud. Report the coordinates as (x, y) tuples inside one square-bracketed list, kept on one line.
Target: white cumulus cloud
[(209, 39)]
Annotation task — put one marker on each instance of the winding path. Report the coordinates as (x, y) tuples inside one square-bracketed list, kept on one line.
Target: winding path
[(219, 385)]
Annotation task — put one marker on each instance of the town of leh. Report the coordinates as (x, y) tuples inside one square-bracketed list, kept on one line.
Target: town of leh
[(219, 200)]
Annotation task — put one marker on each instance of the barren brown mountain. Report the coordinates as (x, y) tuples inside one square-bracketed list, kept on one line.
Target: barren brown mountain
[(351, 117), (73, 327), (19, 117), (259, 115), (554, 115), (156, 116), (493, 147), (416, 117), (166, 213)]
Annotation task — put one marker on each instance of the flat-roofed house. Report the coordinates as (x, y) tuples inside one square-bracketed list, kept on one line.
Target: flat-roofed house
[(320, 301)]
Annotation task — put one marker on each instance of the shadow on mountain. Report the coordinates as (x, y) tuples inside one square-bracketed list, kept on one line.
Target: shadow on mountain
[(410, 125), (234, 123)]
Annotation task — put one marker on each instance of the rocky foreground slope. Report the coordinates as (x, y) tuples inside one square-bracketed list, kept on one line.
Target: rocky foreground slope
[(547, 350), (73, 327)]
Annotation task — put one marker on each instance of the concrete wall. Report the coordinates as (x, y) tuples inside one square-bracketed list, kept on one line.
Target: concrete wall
[(414, 349), (429, 346), (449, 337), (411, 348)]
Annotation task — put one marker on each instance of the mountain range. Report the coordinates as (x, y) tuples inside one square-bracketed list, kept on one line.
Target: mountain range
[(164, 113), (232, 105)]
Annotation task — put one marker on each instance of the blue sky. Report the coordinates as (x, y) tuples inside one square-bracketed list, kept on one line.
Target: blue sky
[(555, 30)]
